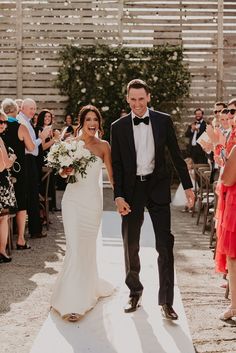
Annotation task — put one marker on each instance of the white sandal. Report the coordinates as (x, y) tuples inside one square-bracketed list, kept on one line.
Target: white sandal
[(228, 314)]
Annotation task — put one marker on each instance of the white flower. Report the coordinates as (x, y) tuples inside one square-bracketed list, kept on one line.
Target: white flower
[(50, 157), (175, 56), (70, 153), (86, 153), (80, 143), (65, 161), (83, 90), (78, 153), (105, 109)]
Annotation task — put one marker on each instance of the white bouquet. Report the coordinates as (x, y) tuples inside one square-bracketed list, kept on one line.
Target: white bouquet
[(70, 153)]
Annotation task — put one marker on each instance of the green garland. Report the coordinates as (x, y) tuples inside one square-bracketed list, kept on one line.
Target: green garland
[(98, 75)]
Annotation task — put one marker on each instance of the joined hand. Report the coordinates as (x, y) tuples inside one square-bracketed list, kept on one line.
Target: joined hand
[(190, 197), (122, 206)]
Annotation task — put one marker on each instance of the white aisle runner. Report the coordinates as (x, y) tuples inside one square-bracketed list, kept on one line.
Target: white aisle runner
[(106, 328)]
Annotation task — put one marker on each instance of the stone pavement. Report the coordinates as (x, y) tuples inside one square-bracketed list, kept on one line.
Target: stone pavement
[(107, 328), (26, 283)]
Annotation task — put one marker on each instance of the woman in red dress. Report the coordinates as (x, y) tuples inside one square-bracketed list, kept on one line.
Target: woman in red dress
[(226, 230)]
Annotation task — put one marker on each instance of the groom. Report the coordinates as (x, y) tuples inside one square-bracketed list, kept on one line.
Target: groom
[(141, 180)]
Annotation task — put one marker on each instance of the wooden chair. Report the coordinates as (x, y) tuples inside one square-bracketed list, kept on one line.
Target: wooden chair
[(197, 178), (10, 233), (44, 199), (208, 200), (200, 188), (212, 212)]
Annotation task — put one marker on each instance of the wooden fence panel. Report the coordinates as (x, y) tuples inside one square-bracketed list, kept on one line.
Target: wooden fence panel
[(33, 32)]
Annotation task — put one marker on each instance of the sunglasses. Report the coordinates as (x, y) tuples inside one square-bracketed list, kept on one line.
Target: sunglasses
[(227, 111), (3, 122), (217, 111)]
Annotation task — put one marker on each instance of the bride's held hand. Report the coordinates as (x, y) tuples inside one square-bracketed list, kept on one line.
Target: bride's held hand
[(64, 172)]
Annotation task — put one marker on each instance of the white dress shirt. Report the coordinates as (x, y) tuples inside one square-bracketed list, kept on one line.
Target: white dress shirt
[(144, 146), (22, 119), (194, 139)]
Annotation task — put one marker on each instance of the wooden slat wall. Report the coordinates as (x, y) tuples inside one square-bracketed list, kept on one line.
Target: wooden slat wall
[(29, 43)]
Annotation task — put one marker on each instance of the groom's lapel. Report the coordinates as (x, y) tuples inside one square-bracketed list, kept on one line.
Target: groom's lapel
[(130, 135), (155, 128)]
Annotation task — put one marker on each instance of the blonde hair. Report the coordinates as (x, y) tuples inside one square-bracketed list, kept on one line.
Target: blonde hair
[(9, 106)]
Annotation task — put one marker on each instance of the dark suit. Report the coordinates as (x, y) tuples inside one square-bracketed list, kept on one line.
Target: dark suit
[(196, 152), (153, 194)]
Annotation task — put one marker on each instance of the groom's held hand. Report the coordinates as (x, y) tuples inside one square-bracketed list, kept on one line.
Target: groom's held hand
[(190, 197), (122, 206)]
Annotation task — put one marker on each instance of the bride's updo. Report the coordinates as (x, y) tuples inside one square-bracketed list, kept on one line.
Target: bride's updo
[(82, 115)]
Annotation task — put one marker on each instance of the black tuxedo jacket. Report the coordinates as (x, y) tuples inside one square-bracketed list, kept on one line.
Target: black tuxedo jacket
[(124, 158)]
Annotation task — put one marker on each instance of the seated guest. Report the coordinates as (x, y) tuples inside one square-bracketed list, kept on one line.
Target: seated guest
[(194, 131)]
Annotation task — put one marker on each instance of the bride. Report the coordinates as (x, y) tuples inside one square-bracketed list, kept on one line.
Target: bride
[(78, 286)]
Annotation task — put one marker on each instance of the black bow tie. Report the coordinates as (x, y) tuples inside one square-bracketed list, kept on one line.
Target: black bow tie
[(137, 120)]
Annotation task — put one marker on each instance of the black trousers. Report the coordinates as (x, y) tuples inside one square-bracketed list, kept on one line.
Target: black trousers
[(32, 195), (198, 155), (131, 227)]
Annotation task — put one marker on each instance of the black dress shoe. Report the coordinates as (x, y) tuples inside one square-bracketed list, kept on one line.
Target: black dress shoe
[(168, 312), (133, 304), (4, 258), (23, 247), (38, 235)]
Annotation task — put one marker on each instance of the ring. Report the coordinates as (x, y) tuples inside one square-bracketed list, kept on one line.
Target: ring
[(16, 170)]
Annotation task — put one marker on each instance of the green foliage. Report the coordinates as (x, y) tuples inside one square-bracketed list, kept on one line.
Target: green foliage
[(98, 75)]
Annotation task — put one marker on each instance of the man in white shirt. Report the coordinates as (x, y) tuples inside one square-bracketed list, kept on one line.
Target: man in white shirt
[(141, 180), (27, 112), (193, 132)]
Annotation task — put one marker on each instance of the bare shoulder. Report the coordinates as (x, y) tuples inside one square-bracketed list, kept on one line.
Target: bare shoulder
[(105, 146), (22, 128), (23, 131), (233, 153)]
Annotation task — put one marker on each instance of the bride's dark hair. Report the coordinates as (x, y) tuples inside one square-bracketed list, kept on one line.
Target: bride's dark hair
[(82, 115)]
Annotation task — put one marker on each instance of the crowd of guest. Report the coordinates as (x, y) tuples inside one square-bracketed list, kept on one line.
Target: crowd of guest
[(213, 142), (25, 139)]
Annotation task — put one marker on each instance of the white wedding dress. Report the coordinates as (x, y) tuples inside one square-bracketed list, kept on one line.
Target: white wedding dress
[(78, 286)]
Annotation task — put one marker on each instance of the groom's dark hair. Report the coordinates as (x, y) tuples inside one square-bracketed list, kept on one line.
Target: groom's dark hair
[(137, 83)]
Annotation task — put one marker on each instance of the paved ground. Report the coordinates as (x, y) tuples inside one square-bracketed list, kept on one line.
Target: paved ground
[(106, 328), (26, 283)]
